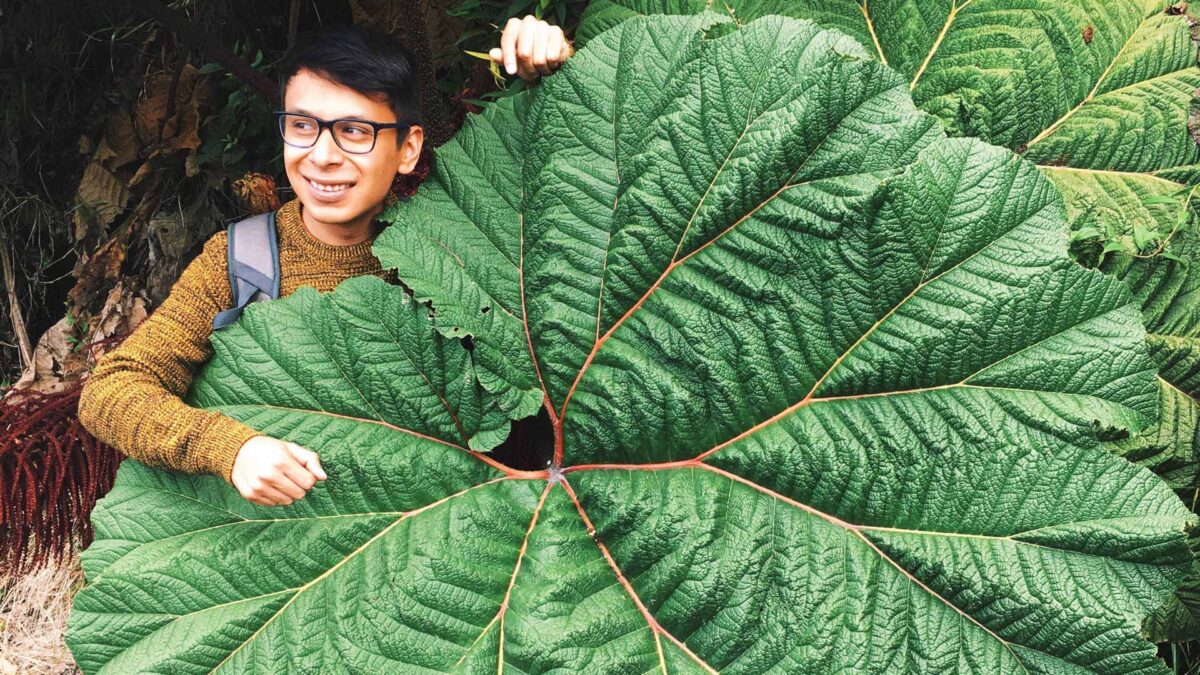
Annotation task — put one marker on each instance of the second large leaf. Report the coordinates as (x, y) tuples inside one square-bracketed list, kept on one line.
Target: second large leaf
[(823, 387), (1096, 92)]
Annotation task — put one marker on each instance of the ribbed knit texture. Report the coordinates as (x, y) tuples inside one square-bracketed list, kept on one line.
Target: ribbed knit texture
[(133, 399)]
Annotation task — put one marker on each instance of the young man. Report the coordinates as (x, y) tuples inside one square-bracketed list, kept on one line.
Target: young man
[(350, 124)]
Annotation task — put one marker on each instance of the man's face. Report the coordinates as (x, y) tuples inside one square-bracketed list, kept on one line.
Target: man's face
[(338, 188)]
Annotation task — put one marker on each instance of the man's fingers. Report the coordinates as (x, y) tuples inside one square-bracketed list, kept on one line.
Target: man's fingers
[(554, 48), (538, 58), (531, 48), (525, 39), (508, 44), (274, 472), (525, 47), (267, 495), (301, 476), (284, 483), (276, 498), (309, 459), (567, 50)]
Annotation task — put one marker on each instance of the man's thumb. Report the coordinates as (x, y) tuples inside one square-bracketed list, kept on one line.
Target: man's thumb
[(309, 459)]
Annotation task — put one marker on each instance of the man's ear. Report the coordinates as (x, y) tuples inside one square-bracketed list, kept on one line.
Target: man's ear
[(410, 149)]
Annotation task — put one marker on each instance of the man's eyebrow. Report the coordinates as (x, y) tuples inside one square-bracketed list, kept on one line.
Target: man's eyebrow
[(353, 116)]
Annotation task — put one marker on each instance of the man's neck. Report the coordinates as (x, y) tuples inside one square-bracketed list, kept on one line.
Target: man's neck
[(340, 234)]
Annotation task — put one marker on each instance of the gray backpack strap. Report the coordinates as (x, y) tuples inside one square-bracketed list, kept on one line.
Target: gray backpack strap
[(253, 254)]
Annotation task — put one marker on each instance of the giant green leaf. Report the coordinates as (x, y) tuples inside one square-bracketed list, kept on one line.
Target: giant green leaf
[(825, 393), (1096, 92)]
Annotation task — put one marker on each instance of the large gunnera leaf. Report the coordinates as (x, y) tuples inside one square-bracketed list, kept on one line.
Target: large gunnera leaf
[(824, 389), (1096, 92)]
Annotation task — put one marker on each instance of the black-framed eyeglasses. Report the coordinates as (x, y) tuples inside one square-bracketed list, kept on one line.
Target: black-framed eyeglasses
[(352, 135)]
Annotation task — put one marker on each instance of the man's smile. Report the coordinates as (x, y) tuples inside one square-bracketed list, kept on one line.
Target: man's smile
[(330, 188)]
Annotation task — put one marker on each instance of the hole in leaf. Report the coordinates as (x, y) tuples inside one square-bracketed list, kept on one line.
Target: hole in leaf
[(485, 310), (1106, 433), (719, 30), (530, 444)]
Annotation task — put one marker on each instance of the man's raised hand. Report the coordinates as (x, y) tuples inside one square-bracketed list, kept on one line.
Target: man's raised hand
[(272, 472), (530, 47)]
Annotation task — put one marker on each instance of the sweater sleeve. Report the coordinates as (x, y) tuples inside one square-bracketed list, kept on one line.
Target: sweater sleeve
[(133, 399)]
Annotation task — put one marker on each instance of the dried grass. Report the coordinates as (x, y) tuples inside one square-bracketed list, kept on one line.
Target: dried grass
[(33, 617)]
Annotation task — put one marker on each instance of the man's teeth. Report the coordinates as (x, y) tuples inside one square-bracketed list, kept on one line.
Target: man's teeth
[(328, 187)]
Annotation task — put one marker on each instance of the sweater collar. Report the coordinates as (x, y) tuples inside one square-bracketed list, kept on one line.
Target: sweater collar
[(291, 227)]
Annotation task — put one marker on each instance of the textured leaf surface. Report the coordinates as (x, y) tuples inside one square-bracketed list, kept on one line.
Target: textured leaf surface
[(826, 393), (463, 254), (1169, 294), (1169, 448), (1097, 92), (1100, 94), (1179, 619)]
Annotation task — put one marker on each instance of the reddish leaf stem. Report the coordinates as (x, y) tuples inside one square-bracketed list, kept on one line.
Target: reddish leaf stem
[(856, 530), (655, 627)]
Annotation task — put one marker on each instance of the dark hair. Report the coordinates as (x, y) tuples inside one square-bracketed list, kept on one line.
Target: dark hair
[(368, 61)]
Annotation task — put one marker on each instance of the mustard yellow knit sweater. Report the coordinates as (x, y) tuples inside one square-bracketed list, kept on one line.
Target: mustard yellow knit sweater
[(132, 400)]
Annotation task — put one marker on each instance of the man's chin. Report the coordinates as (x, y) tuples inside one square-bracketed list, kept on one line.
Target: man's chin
[(350, 209), (330, 214)]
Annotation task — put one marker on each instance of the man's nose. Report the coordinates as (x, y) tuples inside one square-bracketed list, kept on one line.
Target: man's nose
[(325, 151)]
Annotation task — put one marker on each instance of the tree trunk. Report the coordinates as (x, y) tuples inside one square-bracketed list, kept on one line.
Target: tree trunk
[(14, 307)]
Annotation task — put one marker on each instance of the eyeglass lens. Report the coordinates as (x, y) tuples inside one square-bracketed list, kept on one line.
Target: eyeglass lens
[(302, 131)]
